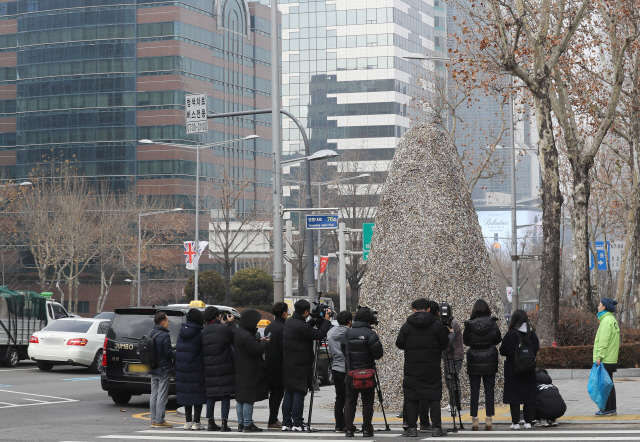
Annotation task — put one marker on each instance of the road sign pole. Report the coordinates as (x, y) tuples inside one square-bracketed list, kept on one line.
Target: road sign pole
[(342, 278), (288, 266)]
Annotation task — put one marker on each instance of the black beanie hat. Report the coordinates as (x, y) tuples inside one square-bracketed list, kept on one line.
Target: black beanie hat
[(249, 319), (609, 304), (194, 315)]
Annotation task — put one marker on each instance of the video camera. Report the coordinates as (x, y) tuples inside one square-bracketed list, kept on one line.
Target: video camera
[(446, 315), (374, 312), (320, 309)]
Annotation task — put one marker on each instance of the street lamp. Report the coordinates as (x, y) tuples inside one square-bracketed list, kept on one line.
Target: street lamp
[(140, 215), (319, 155), (197, 147)]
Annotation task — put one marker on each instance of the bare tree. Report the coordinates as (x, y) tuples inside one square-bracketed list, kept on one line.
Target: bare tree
[(237, 217)]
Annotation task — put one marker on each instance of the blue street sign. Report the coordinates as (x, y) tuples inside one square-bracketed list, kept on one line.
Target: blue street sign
[(322, 221), (601, 256)]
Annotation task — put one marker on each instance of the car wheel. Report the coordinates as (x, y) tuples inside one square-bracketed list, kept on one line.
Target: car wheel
[(96, 366), (120, 398), (13, 357), (44, 365)]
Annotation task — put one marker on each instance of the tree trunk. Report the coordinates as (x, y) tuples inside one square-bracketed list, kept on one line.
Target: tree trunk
[(581, 273), (627, 253), (227, 283), (132, 298), (636, 266), (552, 215), (355, 296)]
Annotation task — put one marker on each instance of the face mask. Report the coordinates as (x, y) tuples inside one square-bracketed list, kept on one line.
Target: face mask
[(601, 313)]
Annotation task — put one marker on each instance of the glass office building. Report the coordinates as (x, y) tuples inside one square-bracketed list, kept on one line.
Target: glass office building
[(83, 80), (344, 74)]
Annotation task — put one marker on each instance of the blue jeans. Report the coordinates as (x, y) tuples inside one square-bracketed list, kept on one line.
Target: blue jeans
[(292, 408), (224, 406), (245, 413), (159, 396)]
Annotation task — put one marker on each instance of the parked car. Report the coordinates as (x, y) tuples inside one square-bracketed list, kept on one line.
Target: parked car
[(123, 375), (104, 315), (69, 341)]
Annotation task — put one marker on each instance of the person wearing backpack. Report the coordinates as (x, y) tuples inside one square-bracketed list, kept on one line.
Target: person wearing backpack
[(520, 345), (161, 373), (482, 334), (606, 347)]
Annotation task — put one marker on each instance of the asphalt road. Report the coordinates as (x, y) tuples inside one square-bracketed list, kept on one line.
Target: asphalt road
[(67, 404)]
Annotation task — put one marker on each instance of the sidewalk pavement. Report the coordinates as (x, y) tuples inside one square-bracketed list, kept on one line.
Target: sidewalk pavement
[(580, 407)]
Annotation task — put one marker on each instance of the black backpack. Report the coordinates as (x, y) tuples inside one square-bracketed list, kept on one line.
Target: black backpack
[(147, 349), (524, 358)]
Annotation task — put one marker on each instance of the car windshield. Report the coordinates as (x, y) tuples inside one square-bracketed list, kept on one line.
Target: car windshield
[(69, 326), (133, 327)]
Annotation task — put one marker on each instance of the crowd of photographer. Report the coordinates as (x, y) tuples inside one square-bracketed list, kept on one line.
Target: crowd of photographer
[(217, 360)]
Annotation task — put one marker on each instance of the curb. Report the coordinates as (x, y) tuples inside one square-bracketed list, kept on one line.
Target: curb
[(564, 374)]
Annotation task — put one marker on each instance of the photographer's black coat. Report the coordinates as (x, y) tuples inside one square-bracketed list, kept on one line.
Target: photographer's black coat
[(423, 339), (251, 382), (364, 346), (219, 365), (273, 356), (482, 335), (298, 340)]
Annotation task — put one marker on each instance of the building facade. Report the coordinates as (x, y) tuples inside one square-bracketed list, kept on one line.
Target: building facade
[(81, 81)]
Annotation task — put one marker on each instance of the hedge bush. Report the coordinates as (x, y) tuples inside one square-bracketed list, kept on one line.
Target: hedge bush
[(581, 356), (575, 327)]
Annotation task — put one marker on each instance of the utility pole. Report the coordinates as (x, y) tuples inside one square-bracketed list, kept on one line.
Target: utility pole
[(514, 227), (278, 256)]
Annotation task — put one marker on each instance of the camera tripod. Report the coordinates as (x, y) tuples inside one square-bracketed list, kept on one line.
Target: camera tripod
[(453, 385), (316, 352)]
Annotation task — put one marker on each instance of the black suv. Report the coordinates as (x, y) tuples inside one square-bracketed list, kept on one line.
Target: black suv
[(123, 375)]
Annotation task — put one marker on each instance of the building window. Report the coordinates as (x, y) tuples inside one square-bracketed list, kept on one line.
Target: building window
[(83, 306)]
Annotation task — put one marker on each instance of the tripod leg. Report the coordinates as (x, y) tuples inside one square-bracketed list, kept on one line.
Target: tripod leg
[(386, 424), (313, 388)]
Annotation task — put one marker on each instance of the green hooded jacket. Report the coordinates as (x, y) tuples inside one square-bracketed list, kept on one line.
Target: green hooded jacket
[(607, 341)]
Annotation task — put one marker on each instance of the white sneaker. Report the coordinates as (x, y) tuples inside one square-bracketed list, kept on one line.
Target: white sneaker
[(187, 426), (196, 426), (447, 408), (296, 428), (515, 426), (285, 428), (527, 426)]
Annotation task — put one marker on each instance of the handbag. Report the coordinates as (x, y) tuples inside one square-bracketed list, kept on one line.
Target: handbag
[(362, 378)]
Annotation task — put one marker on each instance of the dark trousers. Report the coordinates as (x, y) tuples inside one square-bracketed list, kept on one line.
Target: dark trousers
[(423, 414), (368, 395), (489, 381), (611, 401), (197, 411), (529, 411), (225, 404), (292, 408), (412, 409), (275, 399), (341, 397)]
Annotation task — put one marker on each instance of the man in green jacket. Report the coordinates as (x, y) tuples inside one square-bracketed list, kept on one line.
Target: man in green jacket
[(606, 347)]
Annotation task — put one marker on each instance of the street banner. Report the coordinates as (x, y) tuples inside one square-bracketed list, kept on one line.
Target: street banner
[(191, 255)]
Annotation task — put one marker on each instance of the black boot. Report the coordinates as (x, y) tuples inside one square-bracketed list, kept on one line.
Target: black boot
[(224, 428), (240, 428), (438, 432), (410, 432), (212, 425)]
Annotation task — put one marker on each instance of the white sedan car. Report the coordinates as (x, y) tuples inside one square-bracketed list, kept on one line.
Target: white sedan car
[(70, 341)]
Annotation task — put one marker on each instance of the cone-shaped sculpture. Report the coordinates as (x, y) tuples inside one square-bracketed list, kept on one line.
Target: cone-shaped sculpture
[(426, 243)]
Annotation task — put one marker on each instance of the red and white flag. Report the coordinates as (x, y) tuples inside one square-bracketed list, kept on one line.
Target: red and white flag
[(324, 260)]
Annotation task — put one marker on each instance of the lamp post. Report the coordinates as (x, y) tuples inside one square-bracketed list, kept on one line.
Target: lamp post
[(140, 215), (197, 147)]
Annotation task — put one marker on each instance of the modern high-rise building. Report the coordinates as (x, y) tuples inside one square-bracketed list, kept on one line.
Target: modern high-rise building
[(344, 74), (84, 80)]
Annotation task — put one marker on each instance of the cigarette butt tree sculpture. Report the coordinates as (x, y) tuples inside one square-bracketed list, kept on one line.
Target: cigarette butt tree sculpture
[(427, 243)]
